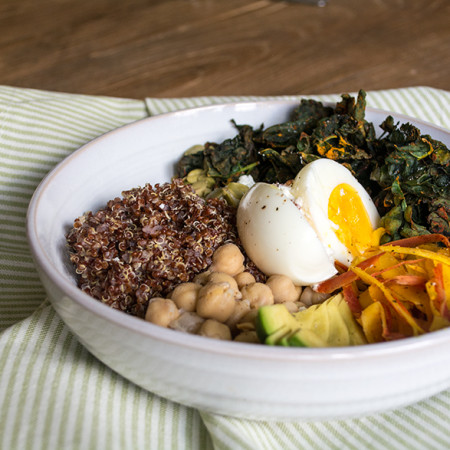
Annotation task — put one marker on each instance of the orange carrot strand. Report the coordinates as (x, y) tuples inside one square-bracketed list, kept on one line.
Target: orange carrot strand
[(420, 240)]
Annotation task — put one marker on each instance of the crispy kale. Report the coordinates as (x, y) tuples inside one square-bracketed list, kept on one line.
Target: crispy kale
[(406, 173), (226, 161), (414, 182)]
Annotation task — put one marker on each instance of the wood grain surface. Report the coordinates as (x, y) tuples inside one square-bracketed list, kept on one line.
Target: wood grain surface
[(173, 48)]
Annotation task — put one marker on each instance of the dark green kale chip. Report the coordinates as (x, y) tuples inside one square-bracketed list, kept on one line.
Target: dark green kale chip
[(227, 161), (406, 173), (414, 182), (188, 162)]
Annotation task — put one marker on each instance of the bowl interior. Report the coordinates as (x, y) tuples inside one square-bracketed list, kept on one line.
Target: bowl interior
[(142, 152)]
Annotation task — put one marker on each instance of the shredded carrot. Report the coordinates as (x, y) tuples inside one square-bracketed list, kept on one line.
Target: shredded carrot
[(352, 300), (400, 264), (329, 286), (421, 240), (407, 280), (395, 304), (400, 289), (435, 256), (438, 276)]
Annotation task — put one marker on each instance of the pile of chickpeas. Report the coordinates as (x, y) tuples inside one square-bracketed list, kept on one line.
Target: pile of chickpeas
[(223, 302)]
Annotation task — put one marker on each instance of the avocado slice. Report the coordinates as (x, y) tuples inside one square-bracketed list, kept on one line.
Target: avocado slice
[(330, 324), (272, 318), (279, 336), (304, 338)]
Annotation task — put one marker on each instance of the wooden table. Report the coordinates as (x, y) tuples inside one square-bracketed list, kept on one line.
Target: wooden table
[(172, 48)]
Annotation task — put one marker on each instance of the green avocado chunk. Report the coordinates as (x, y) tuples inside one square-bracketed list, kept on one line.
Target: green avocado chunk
[(329, 324)]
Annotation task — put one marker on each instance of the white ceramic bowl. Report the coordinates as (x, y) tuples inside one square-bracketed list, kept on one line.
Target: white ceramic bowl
[(243, 380)]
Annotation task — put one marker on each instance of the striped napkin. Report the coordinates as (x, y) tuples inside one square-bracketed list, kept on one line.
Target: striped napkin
[(55, 395)]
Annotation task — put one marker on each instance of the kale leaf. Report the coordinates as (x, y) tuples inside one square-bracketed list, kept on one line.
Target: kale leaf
[(406, 173)]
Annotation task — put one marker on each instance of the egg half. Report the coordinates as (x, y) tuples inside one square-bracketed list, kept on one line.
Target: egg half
[(300, 232)]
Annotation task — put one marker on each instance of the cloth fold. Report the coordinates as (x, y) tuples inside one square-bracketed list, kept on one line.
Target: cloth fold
[(54, 394)]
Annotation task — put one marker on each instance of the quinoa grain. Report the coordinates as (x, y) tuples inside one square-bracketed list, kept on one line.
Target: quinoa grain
[(147, 242)]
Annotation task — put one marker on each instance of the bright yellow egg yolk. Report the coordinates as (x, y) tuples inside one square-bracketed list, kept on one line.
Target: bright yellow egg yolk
[(346, 210)]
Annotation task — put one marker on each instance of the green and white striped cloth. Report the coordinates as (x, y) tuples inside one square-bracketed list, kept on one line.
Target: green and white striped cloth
[(55, 395)]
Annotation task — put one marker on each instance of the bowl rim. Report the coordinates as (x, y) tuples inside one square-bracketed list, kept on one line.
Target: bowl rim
[(199, 343)]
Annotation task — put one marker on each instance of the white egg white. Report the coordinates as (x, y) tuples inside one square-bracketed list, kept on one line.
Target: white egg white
[(279, 239), (287, 230), (313, 186)]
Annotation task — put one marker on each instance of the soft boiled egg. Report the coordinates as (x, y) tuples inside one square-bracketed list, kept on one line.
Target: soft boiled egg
[(300, 232)]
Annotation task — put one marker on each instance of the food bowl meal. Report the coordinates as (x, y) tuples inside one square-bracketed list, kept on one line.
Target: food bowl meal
[(240, 379)]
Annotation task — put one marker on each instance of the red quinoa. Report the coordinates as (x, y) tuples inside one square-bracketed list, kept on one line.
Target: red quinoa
[(143, 244)]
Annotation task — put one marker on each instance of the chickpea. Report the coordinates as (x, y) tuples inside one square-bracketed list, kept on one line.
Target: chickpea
[(188, 322), (216, 301), (247, 336), (301, 306), (222, 277), (250, 316), (310, 297), (214, 329), (248, 322), (185, 296), (240, 310), (244, 278), (229, 259), (258, 294), (283, 289), (202, 278), (292, 307), (245, 326), (161, 311)]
